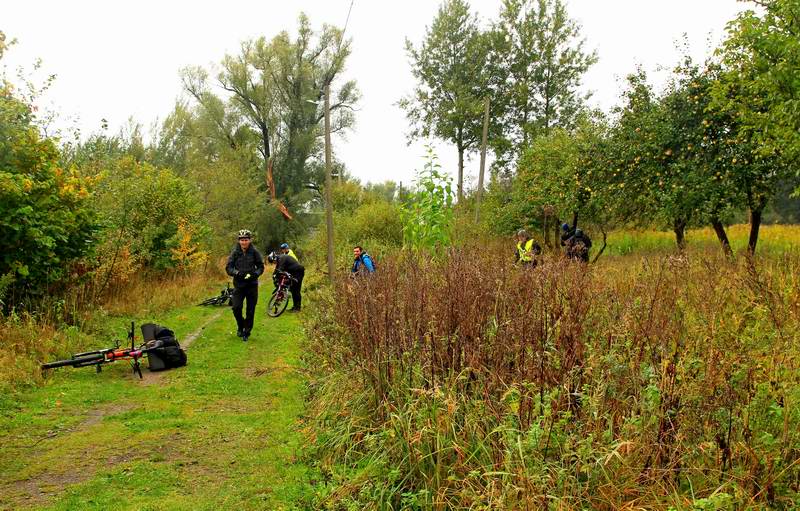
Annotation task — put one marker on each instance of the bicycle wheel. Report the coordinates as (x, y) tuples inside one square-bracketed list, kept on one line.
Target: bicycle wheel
[(277, 303), (75, 362), (210, 301)]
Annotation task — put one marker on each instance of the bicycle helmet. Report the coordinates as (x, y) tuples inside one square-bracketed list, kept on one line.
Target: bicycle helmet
[(522, 233), (565, 227), (245, 233), (284, 245), (271, 257)]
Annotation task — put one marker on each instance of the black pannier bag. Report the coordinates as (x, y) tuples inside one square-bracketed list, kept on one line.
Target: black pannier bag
[(168, 354)]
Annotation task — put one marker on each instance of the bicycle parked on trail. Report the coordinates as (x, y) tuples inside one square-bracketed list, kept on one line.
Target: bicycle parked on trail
[(280, 296), (224, 298), (160, 347)]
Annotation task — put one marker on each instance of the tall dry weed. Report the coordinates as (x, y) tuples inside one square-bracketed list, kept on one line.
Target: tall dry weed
[(465, 381)]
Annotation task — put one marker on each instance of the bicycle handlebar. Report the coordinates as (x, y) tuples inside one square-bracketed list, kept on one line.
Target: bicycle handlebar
[(286, 274)]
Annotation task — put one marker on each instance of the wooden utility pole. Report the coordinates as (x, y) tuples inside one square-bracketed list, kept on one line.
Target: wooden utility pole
[(479, 196), (328, 181)]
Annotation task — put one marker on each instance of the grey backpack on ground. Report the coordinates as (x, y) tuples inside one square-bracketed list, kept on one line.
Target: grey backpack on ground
[(168, 354)]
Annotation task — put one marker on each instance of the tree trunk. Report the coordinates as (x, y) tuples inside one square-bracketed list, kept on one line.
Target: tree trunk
[(556, 234), (679, 228), (460, 173), (328, 184), (525, 125), (722, 236), (755, 226), (574, 220), (545, 232), (484, 141), (265, 140), (548, 99), (603, 248)]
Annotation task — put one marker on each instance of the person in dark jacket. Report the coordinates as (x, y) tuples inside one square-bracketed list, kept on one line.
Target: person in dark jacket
[(287, 263), (576, 243), (362, 262), (245, 265), (578, 246), (567, 233)]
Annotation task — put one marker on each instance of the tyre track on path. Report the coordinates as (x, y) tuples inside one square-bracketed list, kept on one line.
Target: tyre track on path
[(149, 378)]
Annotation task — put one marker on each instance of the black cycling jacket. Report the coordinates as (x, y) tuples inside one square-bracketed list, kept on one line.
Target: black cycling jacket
[(289, 264), (240, 263)]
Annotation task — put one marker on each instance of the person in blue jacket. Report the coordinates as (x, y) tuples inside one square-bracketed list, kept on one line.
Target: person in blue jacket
[(362, 262)]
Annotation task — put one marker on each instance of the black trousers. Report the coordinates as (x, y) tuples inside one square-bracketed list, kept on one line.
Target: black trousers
[(297, 298), (249, 293)]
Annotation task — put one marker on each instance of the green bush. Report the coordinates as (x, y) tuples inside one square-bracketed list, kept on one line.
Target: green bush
[(46, 222), (374, 221), (347, 196), (142, 207), (428, 211), (361, 217)]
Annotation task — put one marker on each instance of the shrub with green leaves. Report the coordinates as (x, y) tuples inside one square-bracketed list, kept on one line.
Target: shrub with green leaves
[(46, 222), (375, 221), (427, 214), (142, 207), (363, 216)]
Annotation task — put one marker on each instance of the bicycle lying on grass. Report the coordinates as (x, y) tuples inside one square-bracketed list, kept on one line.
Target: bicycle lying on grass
[(160, 346), (224, 297), (280, 296)]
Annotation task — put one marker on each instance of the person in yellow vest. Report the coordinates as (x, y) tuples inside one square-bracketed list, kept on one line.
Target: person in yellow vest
[(288, 251), (527, 249)]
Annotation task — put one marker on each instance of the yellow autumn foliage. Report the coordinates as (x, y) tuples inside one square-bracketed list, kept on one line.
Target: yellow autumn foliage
[(187, 254)]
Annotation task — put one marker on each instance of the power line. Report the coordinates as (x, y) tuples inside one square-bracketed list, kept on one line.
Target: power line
[(348, 18)]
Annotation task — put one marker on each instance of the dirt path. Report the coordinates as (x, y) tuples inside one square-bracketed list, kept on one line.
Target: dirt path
[(149, 378), (221, 433), (189, 339)]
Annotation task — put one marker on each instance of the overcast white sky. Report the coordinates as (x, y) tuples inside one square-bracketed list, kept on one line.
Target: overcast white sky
[(116, 59)]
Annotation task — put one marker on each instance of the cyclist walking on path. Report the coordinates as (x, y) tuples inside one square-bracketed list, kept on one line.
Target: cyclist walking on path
[(245, 265), (289, 264), (362, 262)]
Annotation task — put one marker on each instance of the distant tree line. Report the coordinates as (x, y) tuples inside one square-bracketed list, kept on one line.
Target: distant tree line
[(717, 143), (241, 148)]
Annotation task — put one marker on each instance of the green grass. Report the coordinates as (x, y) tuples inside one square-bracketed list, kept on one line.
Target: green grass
[(221, 433), (773, 240)]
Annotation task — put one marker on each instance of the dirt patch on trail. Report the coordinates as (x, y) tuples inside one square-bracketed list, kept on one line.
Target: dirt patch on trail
[(98, 414), (38, 490), (189, 339), (93, 417), (278, 368), (149, 378), (34, 491), (266, 371)]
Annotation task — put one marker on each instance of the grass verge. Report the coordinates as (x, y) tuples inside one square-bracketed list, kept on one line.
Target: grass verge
[(221, 433)]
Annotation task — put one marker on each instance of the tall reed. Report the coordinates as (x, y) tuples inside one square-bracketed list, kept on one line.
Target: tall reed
[(465, 382)]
